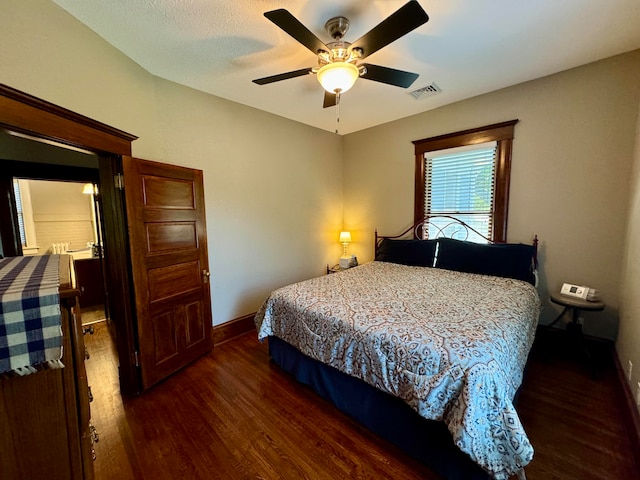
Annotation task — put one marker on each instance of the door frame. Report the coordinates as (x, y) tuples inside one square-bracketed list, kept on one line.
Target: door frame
[(26, 114)]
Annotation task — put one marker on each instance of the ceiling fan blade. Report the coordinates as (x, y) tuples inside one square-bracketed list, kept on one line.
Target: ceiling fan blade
[(297, 30), (330, 100), (407, 18), (390, 76), (282, 76)]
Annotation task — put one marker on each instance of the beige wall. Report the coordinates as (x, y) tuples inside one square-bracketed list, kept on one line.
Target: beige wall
[(273, 192), (572, 159), (628, 344), (273, 187)]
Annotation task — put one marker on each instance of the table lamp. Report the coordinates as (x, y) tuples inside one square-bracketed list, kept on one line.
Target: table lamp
[(345, 239)]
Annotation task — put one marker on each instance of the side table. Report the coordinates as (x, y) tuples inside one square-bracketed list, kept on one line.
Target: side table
[(334, 269), (574, 306)]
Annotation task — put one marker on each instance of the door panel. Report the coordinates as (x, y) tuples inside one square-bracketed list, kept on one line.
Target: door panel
[(166, 219), (165, 337), (172, 280), (168, 193), (162, 237), (193, 320)]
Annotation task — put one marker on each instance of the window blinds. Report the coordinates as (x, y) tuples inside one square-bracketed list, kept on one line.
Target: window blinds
[(16, 191), (460, 182)]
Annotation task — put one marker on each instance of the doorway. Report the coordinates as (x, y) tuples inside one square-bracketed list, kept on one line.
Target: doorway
[(23, 114), (52, 177), (26, 115), (58, 210)]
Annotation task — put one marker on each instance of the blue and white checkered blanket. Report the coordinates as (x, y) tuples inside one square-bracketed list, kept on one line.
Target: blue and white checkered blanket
[(30, 328)]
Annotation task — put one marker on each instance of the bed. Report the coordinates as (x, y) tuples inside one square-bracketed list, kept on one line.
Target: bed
[(426, 345)]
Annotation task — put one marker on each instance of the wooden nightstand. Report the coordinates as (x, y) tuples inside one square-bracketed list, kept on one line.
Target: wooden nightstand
[(574, 306)]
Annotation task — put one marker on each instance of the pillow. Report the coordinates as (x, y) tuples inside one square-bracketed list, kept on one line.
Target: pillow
[(509, 260), (417, 253)]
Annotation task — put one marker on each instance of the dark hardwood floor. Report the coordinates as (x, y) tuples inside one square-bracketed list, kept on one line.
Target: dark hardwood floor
[(235, 415), (92, 314)]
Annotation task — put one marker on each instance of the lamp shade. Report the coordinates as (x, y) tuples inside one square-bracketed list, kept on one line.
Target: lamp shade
[(345, 237), (338, 77)]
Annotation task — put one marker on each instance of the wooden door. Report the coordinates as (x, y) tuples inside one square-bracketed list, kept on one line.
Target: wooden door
[(168, 245)]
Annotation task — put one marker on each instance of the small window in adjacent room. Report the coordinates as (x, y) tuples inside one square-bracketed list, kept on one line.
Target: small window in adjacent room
[(466, 175), (24, 212), (20, 213)]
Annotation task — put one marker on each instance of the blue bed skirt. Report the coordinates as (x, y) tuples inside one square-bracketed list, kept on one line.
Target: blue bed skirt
[(389, 417)]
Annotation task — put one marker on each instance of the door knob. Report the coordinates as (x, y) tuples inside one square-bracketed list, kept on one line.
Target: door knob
[(205, 276)]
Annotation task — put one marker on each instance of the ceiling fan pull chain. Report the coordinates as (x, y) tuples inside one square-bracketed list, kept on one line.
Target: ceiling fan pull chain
[(337, 111)]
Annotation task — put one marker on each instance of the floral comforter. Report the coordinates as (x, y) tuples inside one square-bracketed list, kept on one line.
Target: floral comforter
[(452, 345)]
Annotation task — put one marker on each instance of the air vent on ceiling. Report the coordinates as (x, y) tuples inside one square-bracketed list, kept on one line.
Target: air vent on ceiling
[(425, 92)]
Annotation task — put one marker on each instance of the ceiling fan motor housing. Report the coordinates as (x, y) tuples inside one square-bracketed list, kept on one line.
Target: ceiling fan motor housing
[(339, 50), (337, 27)]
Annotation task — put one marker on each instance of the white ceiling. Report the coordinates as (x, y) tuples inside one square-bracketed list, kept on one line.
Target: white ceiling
[(467, 48)]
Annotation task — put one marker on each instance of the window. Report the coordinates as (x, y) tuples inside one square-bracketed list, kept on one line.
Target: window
[(22, 194), (466, 175), (460, 182), (19, 212)]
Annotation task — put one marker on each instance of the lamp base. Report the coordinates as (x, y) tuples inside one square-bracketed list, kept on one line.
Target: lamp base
[(347, 261)]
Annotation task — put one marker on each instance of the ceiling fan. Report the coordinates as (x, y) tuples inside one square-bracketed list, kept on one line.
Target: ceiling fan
[(338, 66)]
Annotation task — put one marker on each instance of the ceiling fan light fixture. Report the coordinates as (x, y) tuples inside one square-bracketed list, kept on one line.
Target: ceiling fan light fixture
[(338, 77)]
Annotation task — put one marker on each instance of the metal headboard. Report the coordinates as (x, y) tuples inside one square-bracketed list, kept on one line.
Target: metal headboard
[(445, 226)]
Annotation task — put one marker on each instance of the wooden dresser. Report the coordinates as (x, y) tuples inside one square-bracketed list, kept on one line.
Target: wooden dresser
[(44, 417)]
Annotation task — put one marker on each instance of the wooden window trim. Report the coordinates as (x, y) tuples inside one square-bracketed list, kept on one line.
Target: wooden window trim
[(503, 134)]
